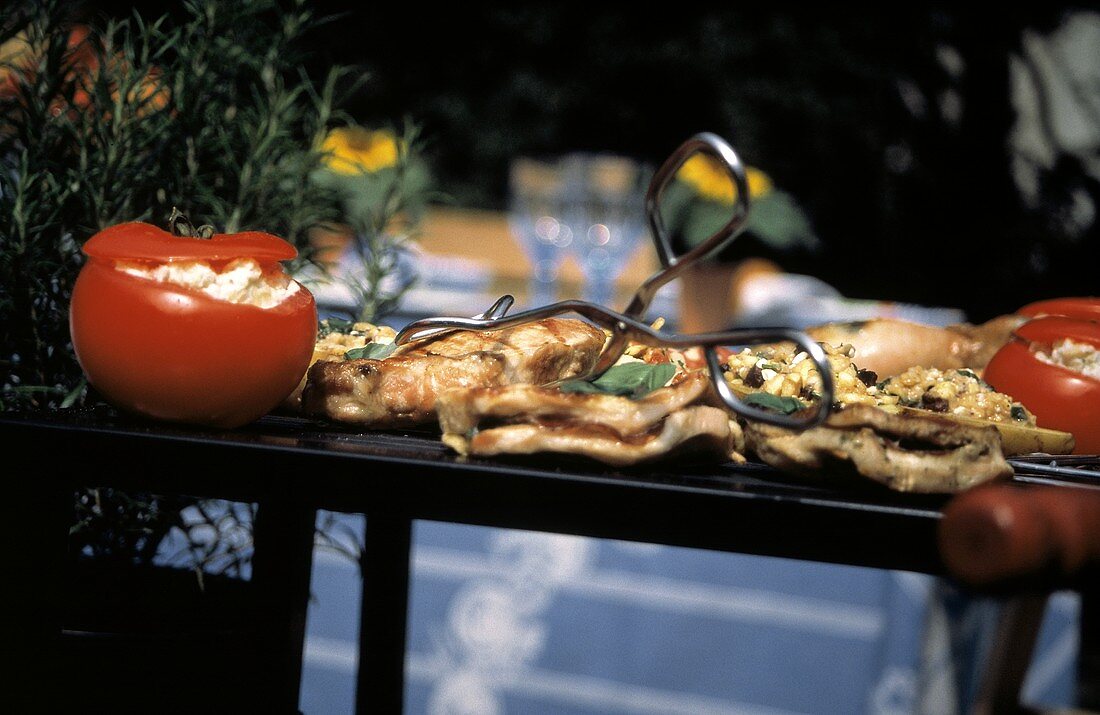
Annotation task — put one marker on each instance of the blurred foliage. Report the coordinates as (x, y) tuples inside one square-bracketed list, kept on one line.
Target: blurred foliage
[(887, 125), (700, 201), (384, 186)]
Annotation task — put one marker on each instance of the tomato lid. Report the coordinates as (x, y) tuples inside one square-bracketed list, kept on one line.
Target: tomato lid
[(146, 242), (1052, 328), (1082, 307)]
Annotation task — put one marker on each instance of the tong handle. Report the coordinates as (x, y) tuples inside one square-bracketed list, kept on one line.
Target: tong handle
[(673, 265)]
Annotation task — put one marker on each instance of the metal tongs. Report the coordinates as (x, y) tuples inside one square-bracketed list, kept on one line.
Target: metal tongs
[(628, 326)]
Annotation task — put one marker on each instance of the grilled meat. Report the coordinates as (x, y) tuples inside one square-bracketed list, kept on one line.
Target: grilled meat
[(524, 419), (401, 390)]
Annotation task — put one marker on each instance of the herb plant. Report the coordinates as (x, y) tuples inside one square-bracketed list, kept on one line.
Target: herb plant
[(122, 121)]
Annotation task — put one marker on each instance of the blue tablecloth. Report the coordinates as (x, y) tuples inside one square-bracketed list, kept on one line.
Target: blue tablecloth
[(519, 622)]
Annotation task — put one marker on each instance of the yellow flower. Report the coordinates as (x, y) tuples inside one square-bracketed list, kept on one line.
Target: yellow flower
[(355, 150), (706, 175)]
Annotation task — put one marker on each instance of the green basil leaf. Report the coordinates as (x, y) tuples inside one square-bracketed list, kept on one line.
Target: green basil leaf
[(632, 379), (581, 386), (371, 351), (774, 403)]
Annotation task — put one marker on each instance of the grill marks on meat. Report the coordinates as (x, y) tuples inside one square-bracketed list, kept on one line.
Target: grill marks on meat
[(524, 419), (401, 390), (395, 392), (905, 452), (462, 412), (535, 353)]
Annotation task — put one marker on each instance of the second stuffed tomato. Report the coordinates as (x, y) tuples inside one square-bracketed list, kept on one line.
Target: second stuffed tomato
[(1051, 365), (203, 331)]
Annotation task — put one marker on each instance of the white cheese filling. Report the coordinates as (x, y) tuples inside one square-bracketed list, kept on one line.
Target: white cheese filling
[(1079, 357), (241, 281)]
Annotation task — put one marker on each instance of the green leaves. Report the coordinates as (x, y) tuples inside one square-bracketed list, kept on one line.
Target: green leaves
[(371, 351), (370, 203), (634, 379), (776, 218), (774, 403)]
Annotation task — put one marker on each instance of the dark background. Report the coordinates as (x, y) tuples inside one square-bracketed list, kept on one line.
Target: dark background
[(910, 203)]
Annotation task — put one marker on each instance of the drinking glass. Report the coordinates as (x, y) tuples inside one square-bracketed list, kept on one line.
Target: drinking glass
[(536, 204), (605, 208)]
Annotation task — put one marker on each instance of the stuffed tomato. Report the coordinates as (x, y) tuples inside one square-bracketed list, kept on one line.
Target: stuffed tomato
[(1052, 366), (208, 331)]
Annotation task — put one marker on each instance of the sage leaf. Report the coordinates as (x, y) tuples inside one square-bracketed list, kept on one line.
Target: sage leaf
[(774, 403), (632, 379), (371, 351)]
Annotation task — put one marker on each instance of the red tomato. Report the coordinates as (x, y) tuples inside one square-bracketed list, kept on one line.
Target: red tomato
[(177, 354), (1083, 308), (1053, 328), (145, 242), (1060, 398)]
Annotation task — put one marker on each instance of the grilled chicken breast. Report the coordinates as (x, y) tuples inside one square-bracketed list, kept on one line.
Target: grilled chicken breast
[(401, 390), (525, 419)]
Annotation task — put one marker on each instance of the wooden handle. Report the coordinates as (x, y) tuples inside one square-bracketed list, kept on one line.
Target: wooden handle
[(1002, 533)]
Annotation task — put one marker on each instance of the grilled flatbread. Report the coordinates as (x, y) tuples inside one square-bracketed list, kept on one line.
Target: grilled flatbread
[(910, 452), (958, 393)]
